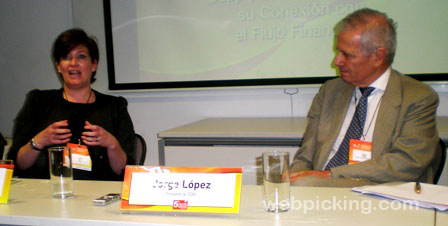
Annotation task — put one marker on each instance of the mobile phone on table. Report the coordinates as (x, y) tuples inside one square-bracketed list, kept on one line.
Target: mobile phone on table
[(106, 199)]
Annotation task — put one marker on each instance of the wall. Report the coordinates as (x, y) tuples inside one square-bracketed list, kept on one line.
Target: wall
[(31, 27), (27, 29)]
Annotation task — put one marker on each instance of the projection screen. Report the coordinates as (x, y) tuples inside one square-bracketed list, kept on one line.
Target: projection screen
[(156, 44)]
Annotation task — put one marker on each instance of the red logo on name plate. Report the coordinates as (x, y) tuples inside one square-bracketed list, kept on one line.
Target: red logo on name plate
[(180, 205)]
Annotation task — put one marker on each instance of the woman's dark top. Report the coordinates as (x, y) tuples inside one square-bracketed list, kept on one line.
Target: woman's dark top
[(44, 107)]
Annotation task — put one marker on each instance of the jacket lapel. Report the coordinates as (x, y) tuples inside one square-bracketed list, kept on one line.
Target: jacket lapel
[(387, 115), (337, 118)]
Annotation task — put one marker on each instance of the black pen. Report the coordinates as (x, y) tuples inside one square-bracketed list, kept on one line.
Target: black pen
[(418, 188)]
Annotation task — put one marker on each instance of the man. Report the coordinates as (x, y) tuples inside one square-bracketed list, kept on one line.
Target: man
[(386, 119)]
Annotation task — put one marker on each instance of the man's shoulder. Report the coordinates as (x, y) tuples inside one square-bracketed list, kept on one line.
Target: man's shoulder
[(413, 86), (335, 83)]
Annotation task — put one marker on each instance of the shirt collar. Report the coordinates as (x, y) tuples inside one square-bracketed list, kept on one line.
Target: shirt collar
[(379, 84)]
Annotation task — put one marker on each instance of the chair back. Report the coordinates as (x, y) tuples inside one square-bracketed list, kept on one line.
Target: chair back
[(442, 162), (139, 149)]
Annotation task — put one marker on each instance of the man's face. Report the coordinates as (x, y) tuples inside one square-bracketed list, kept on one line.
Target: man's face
[(355, 68)]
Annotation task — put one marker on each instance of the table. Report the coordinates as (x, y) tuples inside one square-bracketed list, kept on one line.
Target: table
[(442, 218), (239, 142), (230, 142), (31, 204)]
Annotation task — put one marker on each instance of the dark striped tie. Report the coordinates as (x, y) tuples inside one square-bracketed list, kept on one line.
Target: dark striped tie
[(354, 131)]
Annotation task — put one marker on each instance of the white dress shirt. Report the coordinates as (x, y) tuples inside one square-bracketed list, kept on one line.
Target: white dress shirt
[(373, 104)]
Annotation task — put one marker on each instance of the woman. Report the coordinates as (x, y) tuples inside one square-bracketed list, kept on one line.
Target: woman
[(97, 126)]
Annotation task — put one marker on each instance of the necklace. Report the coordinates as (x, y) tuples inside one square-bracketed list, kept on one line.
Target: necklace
[(66, 98)]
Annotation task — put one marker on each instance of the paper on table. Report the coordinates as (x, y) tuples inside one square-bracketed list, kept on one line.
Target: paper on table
[(431, 196)]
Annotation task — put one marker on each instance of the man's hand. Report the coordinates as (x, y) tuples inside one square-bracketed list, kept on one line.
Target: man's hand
[(307, 173)]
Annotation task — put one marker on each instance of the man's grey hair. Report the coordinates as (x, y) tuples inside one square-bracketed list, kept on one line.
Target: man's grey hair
[(378, 31)]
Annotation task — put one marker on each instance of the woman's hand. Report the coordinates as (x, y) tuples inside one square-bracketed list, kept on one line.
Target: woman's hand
[(97, 136), (94, 135), (56, 133)]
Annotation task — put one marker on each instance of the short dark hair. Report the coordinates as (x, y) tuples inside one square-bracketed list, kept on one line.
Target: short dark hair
[(379, 31), (72, 38)]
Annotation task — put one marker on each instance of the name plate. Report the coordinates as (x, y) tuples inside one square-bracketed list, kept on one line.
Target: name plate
[(6, 171), (175, 189)]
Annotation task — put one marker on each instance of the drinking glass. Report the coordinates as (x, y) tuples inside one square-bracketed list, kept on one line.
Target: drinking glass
[(276, 181), (61, 172)]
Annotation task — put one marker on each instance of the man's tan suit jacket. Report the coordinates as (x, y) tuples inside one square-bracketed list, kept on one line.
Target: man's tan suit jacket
[(405, 140)]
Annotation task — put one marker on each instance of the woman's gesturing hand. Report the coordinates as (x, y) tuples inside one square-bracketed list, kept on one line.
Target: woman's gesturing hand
[(56, 133), (94, 135)]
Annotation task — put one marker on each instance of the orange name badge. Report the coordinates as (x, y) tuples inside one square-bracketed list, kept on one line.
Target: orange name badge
[(360, 151), (80, 157)]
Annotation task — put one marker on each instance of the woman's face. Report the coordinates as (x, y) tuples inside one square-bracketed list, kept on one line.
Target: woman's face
[(77, 67)]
